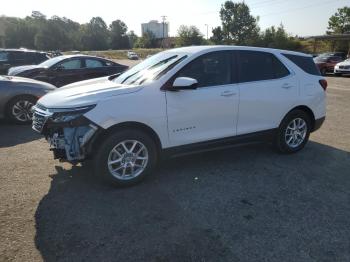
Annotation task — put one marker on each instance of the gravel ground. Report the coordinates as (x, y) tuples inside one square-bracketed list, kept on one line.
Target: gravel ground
[(242, 204)]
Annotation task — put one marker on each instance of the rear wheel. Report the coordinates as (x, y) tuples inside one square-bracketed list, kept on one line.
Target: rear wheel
[(293, 132), (126, 157), (19, 111)]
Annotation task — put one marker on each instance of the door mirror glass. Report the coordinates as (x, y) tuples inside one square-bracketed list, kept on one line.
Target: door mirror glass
[(185, 83)]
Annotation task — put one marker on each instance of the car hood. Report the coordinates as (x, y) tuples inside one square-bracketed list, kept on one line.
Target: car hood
[(23, 80), (19, 69), (344, 63), (85, 93)]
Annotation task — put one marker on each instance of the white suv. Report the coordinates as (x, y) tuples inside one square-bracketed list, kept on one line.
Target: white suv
[(184, 100)]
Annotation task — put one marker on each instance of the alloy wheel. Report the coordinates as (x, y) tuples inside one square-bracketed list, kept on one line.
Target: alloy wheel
[(128, 159), (296, 132)]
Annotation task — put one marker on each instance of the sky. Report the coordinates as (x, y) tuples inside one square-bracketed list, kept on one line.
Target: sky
[(299, 17)]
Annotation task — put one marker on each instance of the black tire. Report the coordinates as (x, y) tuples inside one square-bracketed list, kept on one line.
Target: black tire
[(323, 71), (110, 142), (11, 109), (281, 143), (337, 74)]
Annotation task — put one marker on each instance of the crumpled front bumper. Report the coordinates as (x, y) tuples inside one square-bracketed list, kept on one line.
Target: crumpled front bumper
[(69, 141)]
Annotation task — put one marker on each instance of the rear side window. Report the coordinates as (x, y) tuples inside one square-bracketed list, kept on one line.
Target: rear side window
[(307, 64), (257, 66)]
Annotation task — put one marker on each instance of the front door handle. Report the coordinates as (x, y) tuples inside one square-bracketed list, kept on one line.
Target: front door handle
[(228, 93)]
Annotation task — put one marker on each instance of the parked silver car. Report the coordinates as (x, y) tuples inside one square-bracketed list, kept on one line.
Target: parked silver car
[(18, 95)]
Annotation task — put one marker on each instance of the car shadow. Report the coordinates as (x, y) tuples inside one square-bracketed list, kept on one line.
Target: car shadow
[(240, 204), (11, 134)]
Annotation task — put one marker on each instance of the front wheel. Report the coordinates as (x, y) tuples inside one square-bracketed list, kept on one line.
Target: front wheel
[(126, 157), (293, 132), (19, 111)]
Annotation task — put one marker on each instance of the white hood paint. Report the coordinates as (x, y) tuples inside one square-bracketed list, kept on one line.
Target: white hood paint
[(85, 93), (344, 63)]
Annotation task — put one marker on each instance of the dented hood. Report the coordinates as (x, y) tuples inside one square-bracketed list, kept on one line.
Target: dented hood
[(85, 93)]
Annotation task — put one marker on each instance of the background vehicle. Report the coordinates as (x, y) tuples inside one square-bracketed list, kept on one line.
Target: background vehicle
[(326, 62), (18, 57), (132, 55), (181, 100), (63, 70), (18, 95), (342, 68)]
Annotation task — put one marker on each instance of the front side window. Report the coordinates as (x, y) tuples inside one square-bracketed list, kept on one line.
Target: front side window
[(257, 66), (93, 63), (4, 56), (71, 64), (211, 69)]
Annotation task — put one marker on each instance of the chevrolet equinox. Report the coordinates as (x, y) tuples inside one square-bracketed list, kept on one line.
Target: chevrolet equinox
[(184, 100)]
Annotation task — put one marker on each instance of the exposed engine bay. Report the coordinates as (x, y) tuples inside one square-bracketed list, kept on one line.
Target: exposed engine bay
[(68, 133), (70, 142)]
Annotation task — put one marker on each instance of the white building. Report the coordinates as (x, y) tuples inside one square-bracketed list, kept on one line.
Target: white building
[(156, 28)]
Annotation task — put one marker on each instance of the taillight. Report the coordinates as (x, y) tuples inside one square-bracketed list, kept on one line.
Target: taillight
[(324, 84)]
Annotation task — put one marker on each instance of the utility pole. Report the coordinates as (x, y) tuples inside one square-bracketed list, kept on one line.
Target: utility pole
[(207, 30), (163, 21)]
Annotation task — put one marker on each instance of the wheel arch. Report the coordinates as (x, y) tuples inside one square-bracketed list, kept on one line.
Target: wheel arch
[(308, 111), (13, 98), (126, 125)]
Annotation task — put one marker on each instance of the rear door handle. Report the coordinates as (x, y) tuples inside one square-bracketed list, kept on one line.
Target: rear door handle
[(228, 93), (286, 86)]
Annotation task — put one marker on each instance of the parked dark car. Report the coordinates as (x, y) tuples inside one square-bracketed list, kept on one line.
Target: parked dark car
[(18, 57), (18, 95), (326, 62), (67, 69)]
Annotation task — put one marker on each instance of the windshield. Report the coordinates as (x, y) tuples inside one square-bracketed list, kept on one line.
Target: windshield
[(52, 61), (149, 69)]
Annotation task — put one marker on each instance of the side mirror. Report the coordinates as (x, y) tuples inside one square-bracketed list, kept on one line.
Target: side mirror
[(185, 83)]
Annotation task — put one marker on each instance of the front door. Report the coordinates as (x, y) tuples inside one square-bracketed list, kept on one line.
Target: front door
[(66, 72), (210, 111)]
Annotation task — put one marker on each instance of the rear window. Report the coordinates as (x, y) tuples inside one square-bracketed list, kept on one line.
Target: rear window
[(307, 64)]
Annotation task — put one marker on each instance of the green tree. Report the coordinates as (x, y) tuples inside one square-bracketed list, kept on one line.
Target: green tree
[(19, 33), (339, 23), (189, 35), (218, 36), (278, 38), (119, 39), (148, 40), (238, 25), (95, 35), (132, 38)]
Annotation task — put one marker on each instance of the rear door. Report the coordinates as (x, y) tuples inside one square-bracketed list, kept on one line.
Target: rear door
[(267, 91), (95, 68)]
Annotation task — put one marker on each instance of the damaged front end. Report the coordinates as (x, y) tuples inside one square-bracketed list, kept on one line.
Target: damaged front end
[(68, 132)]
